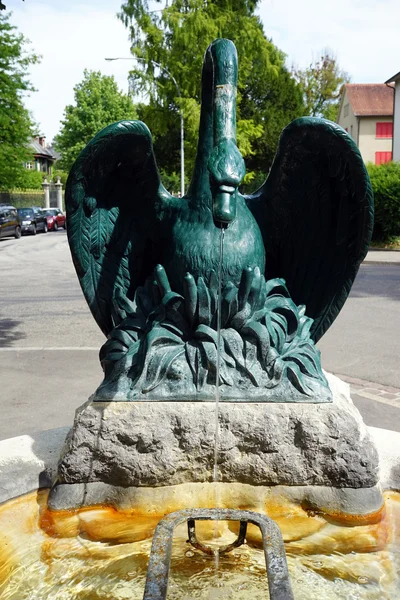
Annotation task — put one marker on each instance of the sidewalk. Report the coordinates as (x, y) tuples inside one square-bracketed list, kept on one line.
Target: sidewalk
[(383, 257)]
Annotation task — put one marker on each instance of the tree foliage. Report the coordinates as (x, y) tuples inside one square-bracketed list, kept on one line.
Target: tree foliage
[(30, 180), (176, 38), (321, 84), (98, 103), (16, 127)]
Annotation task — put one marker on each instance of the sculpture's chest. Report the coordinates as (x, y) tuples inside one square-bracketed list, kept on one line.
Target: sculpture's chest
[(195, 247)]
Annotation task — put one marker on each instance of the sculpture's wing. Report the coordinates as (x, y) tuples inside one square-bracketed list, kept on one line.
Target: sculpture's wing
[(315, 212), (112, 198)]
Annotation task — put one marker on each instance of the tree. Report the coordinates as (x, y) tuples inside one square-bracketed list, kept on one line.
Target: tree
[(176, 38), (321, 85), (98, 103), (16, 127)]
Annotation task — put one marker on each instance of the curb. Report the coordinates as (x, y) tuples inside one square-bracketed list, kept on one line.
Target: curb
[(372, 249), (363, 383), (369, 261)]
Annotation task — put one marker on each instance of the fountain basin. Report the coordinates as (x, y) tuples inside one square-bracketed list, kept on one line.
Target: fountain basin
[(101, 552)]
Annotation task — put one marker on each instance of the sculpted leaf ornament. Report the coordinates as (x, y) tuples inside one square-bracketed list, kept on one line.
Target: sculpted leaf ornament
[(168, 343)]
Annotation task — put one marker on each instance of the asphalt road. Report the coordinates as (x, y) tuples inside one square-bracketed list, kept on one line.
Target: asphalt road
[(49, 341)]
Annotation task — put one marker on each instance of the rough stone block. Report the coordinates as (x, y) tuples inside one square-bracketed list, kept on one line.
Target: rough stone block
[(159, 444)]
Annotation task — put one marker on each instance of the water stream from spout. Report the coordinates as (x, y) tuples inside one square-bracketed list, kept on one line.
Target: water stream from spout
[(217, 393)]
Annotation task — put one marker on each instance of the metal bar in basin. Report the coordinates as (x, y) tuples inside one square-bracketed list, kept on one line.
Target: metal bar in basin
[(274, 550)]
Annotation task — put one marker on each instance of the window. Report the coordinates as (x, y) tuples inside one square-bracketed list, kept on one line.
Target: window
[(346, 110), (384, 130), (382, 157)]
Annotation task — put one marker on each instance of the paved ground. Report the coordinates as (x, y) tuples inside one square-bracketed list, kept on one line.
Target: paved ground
[(383, 256), (364, 341), (49, 341)]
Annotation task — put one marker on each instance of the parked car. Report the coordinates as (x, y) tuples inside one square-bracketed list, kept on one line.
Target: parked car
[(55, 218), (32, 220), (9, 223)]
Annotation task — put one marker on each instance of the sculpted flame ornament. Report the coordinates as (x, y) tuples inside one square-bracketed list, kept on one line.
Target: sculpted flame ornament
[(147, 261)]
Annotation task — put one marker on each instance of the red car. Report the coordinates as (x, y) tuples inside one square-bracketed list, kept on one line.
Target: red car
[(55, 218)]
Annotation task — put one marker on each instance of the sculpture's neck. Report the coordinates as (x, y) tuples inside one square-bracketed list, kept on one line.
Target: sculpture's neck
[(218, 113)]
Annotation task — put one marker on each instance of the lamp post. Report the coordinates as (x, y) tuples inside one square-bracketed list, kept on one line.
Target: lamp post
[(180, 111)]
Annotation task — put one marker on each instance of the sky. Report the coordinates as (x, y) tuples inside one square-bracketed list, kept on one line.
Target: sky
[(72, 35)]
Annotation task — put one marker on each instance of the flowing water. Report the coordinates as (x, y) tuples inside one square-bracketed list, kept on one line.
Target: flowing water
[(217, 396)]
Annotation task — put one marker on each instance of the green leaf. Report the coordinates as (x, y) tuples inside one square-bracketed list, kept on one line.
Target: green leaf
[(298, 380), (261, 334), (159, 336), (277, 287), (204, 305), (277, 371), (210, 355), (124, 337), (170, 327), (241, 317), (163, 365), (234, 345), (206, 333), (191, 350), (229, 304), (171, 299), (190, 294)]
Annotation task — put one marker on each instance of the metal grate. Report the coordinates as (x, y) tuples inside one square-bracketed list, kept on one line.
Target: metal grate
[(274, 550)]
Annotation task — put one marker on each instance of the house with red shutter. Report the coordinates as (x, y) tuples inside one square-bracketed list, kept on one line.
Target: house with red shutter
[(366, 113)]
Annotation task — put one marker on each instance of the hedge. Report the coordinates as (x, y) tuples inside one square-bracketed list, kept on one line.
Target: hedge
[(385, 180)]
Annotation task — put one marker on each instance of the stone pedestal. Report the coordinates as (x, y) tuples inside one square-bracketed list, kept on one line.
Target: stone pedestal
[(320, 455)]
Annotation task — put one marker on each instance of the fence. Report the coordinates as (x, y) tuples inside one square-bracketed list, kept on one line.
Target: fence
[(26, 198), (23, 199)]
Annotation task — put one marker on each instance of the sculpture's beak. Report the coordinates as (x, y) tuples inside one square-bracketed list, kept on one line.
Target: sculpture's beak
[(225, 164), (224, 205)]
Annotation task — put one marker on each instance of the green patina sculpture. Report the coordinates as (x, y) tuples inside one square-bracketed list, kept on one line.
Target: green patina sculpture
[(148, 262)]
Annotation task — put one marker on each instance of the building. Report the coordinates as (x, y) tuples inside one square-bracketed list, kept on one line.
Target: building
[(366, 112), (44, 156), (395, 80)]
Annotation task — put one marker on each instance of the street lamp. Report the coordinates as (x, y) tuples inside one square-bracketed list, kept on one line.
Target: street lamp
[(180, 111)]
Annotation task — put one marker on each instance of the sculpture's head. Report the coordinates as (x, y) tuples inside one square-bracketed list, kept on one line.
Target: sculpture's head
[(225, 164)]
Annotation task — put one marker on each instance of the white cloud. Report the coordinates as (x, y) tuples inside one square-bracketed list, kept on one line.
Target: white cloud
[(73, 35), (70, 39)]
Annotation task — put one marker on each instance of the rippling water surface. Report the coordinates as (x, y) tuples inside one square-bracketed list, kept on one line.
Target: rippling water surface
[(38, 564)]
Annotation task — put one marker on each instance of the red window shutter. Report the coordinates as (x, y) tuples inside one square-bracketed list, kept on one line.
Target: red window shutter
[(382, 157), (384, 130)]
